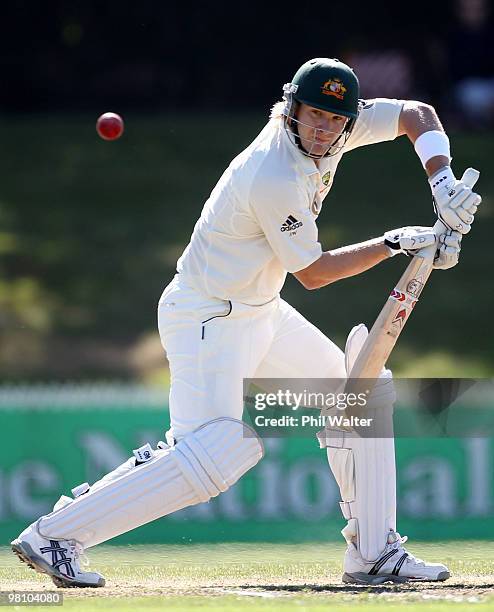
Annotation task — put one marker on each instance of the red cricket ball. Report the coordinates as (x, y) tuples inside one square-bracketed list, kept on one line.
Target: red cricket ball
[(110, 126)]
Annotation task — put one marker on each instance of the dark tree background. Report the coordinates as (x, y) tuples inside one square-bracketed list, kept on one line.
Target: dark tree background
[(82, 55)]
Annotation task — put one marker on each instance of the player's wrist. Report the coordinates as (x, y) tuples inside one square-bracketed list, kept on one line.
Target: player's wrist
[(441, 178), (389, 250), (433, 143)]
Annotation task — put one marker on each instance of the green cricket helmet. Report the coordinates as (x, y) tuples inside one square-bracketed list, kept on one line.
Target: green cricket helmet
[(326, 84)]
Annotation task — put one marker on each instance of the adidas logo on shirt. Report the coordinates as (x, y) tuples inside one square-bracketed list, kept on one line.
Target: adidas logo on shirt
[(291, 224)]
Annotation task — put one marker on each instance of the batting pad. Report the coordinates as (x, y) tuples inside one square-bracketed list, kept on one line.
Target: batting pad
[(200, 466), (364, 467)]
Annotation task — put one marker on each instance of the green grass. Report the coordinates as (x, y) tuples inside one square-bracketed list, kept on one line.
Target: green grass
[(261, 577), (302, 604)]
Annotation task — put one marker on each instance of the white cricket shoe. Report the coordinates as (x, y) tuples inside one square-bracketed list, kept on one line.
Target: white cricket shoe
[(394, 565), (60, 559)]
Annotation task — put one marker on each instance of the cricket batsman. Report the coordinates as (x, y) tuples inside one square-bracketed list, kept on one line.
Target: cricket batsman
[(221, 319)]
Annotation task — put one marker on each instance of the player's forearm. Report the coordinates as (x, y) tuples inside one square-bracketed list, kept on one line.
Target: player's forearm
[(416, 118), (343, 263)]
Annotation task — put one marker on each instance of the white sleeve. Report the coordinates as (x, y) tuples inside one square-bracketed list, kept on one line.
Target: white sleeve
[(377, 122), (282, 210)]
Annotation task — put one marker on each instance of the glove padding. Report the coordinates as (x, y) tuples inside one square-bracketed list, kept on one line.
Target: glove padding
[(409, 239), (448, 252), (454, 201)]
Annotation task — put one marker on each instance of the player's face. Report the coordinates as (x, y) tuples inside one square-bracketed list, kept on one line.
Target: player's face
[(318, 129)]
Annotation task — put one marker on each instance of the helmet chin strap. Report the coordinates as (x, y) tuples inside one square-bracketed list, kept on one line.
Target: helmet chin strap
[(298, 142)]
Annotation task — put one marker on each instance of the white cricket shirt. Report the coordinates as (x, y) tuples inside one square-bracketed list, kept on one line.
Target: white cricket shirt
[(260, 220)]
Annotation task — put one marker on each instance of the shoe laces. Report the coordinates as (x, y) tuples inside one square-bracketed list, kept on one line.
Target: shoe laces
[(77, 550), (397, 541)]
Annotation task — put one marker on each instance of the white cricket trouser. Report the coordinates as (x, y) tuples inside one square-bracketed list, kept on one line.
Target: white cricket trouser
[(212, 345)]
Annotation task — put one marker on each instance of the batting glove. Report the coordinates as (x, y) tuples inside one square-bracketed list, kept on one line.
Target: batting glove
[(448, 252), (454, 201), (409, 239)]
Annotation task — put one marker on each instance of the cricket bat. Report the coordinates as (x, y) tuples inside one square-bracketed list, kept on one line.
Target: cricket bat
[(399, 306)]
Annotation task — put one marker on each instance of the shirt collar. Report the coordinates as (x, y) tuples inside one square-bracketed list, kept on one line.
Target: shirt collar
[(324, 165)]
